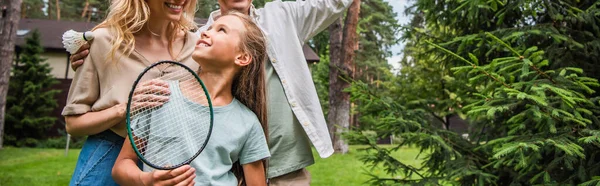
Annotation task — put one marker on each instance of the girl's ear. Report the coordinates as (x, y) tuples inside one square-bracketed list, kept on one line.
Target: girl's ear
[(243, 59)]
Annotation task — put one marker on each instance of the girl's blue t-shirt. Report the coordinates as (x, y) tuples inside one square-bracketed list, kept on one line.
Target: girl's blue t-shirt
[(236, 135)]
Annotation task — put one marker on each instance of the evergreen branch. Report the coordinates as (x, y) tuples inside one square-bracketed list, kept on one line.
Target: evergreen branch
[(593, 6), (520, 56), (428, 131), (412, 169), (503, 43), (568, 5), (451, 53), (524, 29), (541, 72), (575, 175), (467, 61), (548, 114), (439, 118), (399, 180)]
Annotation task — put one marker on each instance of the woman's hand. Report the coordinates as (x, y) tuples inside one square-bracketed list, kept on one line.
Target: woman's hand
[(182, 176), (150, 94)]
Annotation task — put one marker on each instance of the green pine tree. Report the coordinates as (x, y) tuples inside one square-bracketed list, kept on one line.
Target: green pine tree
[(30, 98), (523, 74), (32, 9)]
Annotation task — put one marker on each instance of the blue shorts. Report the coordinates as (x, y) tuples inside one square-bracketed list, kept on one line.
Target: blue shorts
[(96, 159)]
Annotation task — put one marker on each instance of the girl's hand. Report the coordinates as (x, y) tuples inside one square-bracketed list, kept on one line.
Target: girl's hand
[(182, 176), (150, 94)]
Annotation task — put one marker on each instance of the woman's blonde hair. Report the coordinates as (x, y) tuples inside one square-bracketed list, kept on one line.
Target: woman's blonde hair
[(249, 84), (126, 17)]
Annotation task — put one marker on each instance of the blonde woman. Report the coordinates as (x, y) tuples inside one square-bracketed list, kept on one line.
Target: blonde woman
[(232, 56), (135, 34)]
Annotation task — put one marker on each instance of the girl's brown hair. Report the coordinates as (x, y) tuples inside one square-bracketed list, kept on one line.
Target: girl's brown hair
[(249, 85)]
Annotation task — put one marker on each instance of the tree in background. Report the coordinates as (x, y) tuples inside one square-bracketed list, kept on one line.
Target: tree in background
[(30, 98), (33, 9), (68, 10), (10, 11), (518, 71), (205, 7), (376, 30), (338, 115)]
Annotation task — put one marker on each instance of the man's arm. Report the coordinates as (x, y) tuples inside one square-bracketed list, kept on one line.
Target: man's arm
[(77, 58), (312, 16)]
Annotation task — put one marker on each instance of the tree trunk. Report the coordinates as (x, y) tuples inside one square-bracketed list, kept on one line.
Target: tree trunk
[(341, 68), (23, 10), (85, 9), (10, 19), (338, 111), (57, 10)]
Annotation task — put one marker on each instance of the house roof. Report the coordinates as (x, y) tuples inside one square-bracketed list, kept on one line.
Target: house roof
[(51, 33)]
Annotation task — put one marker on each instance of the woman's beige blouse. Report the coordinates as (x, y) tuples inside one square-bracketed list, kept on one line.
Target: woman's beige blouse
[(100, 84)]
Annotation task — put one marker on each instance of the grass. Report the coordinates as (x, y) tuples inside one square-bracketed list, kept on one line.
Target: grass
[(32, 166), (348, 170)]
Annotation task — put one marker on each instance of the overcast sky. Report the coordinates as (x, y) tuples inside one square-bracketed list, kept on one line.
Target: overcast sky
[(399, 6)]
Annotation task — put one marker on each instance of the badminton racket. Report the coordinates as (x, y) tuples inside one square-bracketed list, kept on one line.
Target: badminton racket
[(169, 115)]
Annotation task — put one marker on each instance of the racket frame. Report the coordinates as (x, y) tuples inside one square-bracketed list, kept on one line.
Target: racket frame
[(128, 115)]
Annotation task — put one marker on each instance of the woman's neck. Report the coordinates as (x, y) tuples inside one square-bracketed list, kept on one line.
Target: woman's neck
[(219, 87), (155, 29)]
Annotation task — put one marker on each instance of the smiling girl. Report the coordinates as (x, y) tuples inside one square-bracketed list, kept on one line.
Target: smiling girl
[(135, 34), (231, 55)]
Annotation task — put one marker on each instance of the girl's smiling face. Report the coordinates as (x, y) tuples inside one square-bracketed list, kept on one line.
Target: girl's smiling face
[(220, 45)]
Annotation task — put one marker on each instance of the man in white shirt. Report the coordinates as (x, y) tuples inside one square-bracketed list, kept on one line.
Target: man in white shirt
[(294, 113)]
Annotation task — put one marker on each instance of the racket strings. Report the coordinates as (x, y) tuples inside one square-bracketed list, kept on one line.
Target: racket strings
[(174, 132)]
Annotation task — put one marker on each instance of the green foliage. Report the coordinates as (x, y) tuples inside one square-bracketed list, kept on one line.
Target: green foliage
[(320, 76), (377, 29), (61, 143), (205, 7), (30, 99), (33, 9), (70, 10), (540, 128), (75, 142), (524, 75)]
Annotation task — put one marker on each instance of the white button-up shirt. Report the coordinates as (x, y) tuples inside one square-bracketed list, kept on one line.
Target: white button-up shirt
[(287, 26)]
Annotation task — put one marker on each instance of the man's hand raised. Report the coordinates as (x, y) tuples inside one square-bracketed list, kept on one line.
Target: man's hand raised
[(77, 58)]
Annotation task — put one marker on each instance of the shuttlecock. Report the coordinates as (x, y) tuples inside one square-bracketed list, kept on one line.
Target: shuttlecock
[(73, 40)]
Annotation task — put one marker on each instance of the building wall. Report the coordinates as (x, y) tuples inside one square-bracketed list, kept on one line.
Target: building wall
[(59, 63)]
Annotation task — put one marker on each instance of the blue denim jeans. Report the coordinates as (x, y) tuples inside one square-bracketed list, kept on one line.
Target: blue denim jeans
[(96, 159)]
